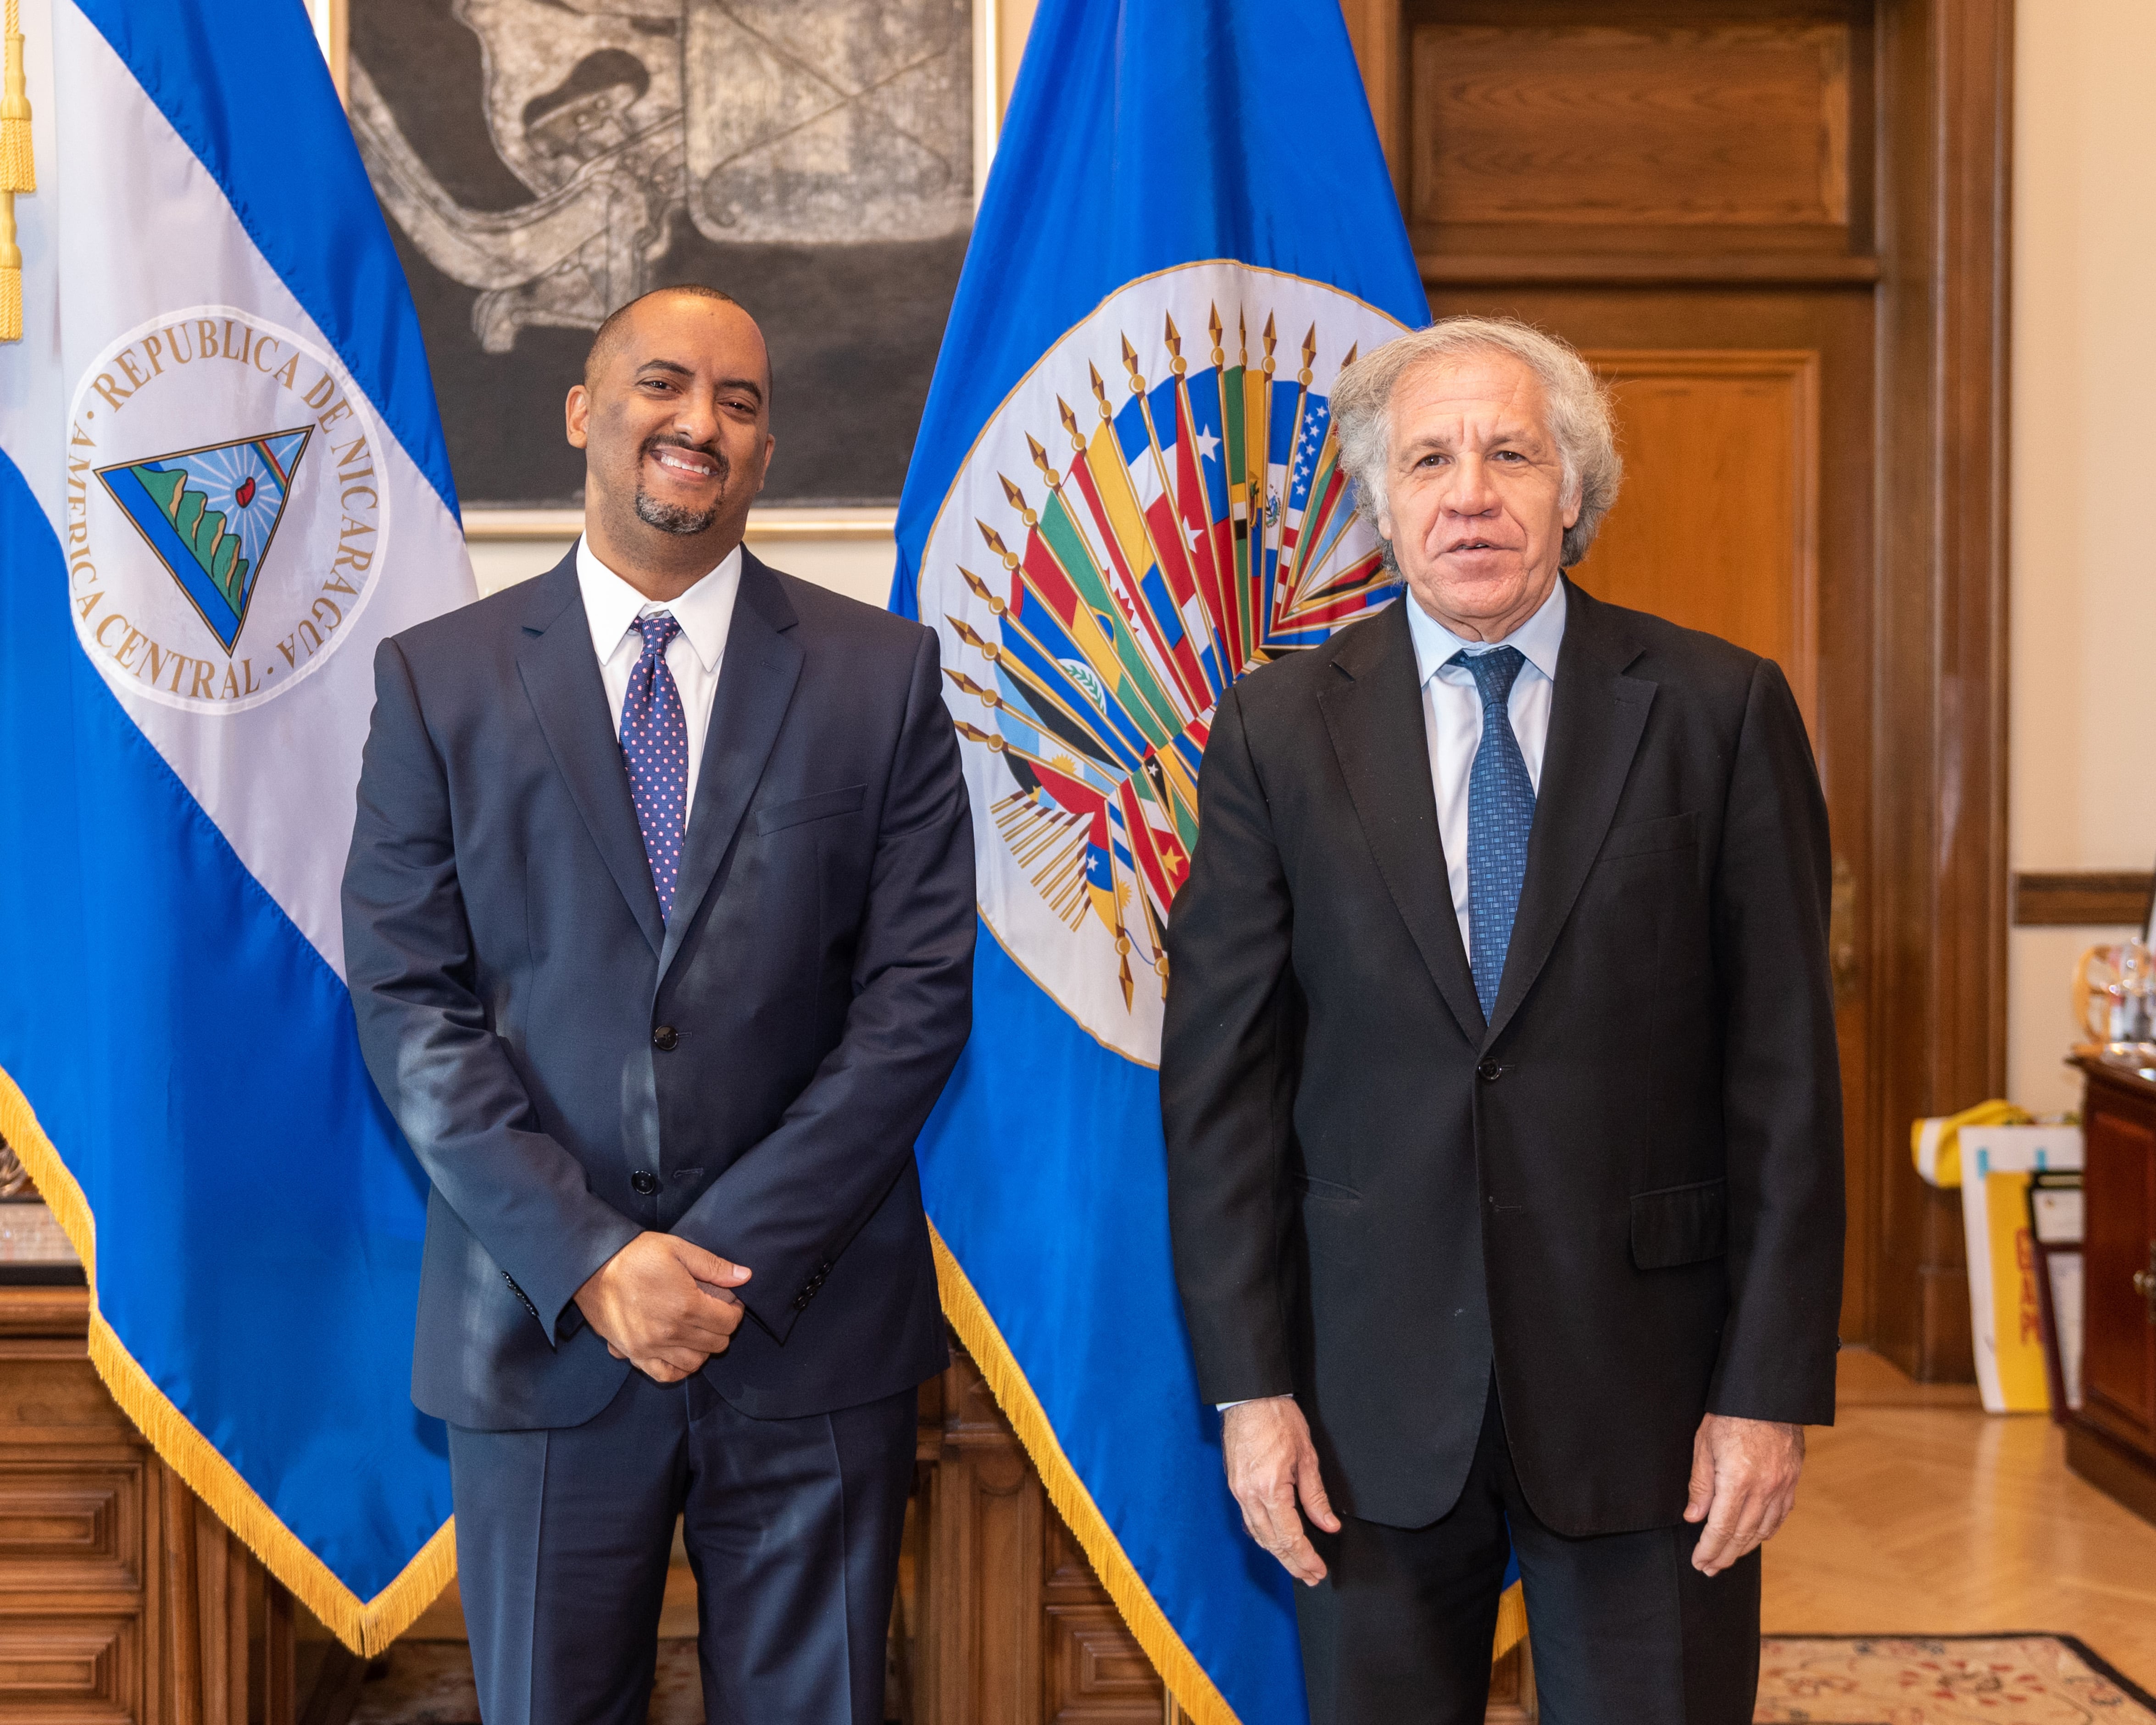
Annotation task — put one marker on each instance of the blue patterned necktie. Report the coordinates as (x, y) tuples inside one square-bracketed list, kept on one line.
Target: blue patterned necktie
[(1501, 811), (655, 747)]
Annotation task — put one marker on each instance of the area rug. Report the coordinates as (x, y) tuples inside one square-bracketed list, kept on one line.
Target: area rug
[(1942, 1680)]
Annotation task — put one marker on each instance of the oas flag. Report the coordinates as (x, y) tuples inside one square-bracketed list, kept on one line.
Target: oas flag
[(1126, 494), (221, 481)]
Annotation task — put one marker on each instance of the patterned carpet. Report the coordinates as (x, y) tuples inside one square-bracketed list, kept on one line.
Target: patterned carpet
[(1804, 1679), (1944, 1680)]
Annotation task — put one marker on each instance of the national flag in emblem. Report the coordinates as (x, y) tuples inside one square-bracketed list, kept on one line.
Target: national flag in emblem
[(222, 484), (1126, 494)]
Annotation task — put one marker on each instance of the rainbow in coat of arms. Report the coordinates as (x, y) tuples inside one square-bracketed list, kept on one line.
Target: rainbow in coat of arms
[(1157, 508), (209, 514)]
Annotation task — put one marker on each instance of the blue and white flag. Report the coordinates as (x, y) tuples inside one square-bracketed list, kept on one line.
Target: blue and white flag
[(222, 482), (1125, 495)]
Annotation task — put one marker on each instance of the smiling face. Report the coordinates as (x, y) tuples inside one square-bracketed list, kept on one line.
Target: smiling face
[(1475, 504), (674, 417)]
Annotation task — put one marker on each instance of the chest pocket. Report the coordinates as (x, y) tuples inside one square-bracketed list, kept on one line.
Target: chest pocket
[(820, 807)]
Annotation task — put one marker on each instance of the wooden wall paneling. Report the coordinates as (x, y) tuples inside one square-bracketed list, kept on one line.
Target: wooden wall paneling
[(1720, 530), (2088, 898), (1600, 130), (1374, 26), (1939, 915)]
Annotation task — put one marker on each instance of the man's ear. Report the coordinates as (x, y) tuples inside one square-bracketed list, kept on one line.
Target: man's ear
[(1572, 509), (577, 413)]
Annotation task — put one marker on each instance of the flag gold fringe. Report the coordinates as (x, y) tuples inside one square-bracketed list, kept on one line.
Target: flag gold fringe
[(19, 171), (366, 1626), (1187, 1680)]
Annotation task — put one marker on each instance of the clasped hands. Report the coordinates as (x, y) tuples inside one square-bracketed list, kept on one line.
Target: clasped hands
[(664, 1305), (1743, 1483)]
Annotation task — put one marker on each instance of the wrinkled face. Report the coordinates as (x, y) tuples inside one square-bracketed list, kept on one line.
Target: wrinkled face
[(675, 418), (1476, 505)]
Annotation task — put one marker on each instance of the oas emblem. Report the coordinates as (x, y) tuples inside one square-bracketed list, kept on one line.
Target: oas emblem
[(226, 523), (1155, 509)]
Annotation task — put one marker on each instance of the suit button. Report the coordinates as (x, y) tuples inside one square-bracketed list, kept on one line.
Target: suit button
[(665, 1038), (1487, 1071), (644, 1182)]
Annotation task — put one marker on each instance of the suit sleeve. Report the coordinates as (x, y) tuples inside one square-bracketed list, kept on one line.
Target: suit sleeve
[(788, 1206), (424, 1029), (1226, 1078), (1781, 1077)]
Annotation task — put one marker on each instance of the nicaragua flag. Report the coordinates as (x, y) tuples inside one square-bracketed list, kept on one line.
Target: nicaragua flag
[(221, 481), (1126, 493)]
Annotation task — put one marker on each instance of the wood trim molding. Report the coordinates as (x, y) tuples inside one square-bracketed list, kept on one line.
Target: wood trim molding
[(1945, 70), (2084, 899), (1660, 269)]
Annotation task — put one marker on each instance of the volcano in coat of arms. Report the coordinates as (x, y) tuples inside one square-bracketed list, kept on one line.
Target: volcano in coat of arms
[(210, 515)]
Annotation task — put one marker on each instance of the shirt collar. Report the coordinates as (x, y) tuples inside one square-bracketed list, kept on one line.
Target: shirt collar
[(1537, 639), (612, 606)]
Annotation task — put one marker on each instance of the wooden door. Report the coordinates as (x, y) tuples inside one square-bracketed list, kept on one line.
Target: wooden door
[(1777, 227)]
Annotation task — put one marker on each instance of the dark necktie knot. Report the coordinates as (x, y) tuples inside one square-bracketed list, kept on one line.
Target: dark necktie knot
[(658, 629), (1494, 671)]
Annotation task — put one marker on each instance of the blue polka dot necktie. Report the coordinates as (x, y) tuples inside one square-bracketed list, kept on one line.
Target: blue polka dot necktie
[(654, 747), (1501, 811)]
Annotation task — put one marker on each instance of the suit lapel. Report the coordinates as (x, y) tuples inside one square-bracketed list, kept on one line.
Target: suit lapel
[(762, 664), (1372, 709), (561, 675), (1597, 714)]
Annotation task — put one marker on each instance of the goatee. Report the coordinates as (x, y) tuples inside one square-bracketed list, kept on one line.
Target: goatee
[(671, 517)]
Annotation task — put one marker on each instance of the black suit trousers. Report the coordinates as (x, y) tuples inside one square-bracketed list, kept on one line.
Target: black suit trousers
[(793, 1530), (1624, 1630)]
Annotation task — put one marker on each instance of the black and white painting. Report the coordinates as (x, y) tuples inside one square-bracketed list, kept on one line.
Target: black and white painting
[(542, 161)]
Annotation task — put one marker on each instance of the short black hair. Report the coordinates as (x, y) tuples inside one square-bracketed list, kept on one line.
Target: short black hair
[(609, 332)]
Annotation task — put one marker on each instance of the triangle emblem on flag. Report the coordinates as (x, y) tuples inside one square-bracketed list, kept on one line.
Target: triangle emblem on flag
[(210, 515)]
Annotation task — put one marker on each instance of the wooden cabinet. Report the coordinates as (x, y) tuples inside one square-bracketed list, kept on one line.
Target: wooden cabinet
[(2112, 1441), (122, 1599)]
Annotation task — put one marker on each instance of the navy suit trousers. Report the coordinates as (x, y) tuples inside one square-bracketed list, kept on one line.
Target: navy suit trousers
[(793, 1529)]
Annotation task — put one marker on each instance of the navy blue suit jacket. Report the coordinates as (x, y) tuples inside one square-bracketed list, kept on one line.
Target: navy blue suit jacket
[(571, 1070)]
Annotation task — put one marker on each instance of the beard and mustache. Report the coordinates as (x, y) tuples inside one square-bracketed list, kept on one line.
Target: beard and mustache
[(674, 517)]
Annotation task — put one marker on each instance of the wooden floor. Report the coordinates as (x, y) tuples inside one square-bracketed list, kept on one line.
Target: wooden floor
[(1920, 1513)]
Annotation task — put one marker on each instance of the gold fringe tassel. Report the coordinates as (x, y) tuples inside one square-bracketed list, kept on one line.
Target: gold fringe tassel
[(1187, 1680), (366, 1626), (18, 174), (18, 171)]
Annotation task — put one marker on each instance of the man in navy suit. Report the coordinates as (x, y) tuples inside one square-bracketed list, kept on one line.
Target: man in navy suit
[(659, 923)]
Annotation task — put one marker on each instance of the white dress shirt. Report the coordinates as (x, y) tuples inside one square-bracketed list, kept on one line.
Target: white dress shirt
[(1452, 717), (705, 612)]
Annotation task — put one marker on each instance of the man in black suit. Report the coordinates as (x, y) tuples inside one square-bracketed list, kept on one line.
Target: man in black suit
[(1500, 1084), (658, 920)]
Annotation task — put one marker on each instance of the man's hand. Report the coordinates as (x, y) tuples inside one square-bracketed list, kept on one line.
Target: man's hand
[(1744, 1484), (1271, 1460), (664, 1305)]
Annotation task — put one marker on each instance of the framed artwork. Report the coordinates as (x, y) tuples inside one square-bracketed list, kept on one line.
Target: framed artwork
[(542, 162)]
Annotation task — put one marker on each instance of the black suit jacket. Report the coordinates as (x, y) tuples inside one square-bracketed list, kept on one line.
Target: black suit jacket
[(750, 1076), (1624, 1191)]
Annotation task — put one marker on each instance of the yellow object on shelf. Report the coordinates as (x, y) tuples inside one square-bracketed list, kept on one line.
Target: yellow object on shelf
[(1935, 1144)]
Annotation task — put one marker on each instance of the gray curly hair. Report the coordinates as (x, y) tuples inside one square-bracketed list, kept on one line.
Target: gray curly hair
[(1578, 407)]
